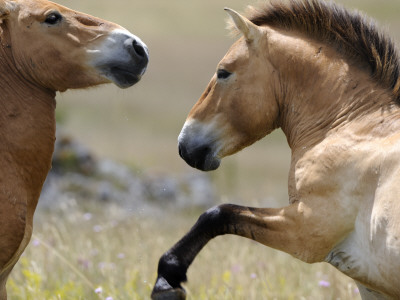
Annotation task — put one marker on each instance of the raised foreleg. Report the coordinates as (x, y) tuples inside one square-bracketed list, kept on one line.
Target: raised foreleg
[(289, 229)]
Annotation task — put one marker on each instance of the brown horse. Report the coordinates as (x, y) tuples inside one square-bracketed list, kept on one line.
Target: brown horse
[(330, 80), (46, 48)]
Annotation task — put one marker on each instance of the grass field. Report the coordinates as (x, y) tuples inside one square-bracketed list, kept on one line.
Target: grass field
[(78, 249)]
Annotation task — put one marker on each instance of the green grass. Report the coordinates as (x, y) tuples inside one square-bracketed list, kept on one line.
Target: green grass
[(73, 253)]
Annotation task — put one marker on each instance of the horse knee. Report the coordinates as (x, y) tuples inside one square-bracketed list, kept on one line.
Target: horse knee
[(218, 220), (174, 263), (217, 214)]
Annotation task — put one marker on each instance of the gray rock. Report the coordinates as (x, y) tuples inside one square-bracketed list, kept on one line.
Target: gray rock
[(78, 176)]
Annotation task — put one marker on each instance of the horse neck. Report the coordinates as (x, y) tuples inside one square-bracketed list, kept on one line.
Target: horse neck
[(325, 95), (27, 128)]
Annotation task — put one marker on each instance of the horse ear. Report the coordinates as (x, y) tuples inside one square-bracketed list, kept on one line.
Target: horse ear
[(245, 26)]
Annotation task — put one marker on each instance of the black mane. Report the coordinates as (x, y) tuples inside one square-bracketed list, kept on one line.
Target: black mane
[(350, 33)]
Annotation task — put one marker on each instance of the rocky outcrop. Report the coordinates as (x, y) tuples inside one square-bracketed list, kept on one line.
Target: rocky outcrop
[(77, 174)]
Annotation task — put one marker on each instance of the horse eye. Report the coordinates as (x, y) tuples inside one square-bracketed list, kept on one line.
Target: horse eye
[(53, 19), (223, 74)]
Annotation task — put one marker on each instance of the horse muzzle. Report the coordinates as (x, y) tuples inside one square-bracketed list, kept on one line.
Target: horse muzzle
[(199, 157), (122, 58), (198, 150)]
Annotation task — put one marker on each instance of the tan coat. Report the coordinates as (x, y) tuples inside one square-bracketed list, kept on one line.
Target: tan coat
[(342, 123)]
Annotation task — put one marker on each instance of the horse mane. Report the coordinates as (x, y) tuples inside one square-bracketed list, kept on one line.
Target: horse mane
[(350, 33)]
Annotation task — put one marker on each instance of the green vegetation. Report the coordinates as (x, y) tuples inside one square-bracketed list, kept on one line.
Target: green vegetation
[(78, 250)]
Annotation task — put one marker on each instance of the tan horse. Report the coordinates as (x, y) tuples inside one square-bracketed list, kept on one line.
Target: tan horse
[(46, 48), (330, 81)]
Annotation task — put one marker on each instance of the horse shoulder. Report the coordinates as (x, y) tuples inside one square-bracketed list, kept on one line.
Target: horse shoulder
[(370, 253), (333, 179), (338, 170)]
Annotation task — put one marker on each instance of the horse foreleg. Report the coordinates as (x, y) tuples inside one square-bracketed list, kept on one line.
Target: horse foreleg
[(3, 281), (3, 291), (15, 232), (277, 228)]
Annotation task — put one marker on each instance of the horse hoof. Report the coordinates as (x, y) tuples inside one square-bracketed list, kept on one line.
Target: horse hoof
[(173, 294)]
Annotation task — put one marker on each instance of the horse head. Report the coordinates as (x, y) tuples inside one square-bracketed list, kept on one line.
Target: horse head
[(238, 106), (59, 48)]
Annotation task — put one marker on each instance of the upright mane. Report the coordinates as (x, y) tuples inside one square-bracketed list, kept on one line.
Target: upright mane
[(350, 33)]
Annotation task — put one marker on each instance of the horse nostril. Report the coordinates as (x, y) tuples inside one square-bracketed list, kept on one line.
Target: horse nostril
[(139, 49)]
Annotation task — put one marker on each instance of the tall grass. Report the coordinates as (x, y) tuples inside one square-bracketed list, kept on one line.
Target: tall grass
[(102, 252)]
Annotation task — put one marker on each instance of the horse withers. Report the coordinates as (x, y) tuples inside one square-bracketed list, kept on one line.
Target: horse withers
[(46, 48), (330, 80)]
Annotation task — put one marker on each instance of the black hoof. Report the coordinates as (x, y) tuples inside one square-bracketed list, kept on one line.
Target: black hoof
[(174, 294), (164, 291)]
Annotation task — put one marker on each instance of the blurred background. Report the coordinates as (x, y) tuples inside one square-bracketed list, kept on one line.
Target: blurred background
[(100, 238)]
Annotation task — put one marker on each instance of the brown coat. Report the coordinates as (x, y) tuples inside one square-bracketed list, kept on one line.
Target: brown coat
[(46, 48)]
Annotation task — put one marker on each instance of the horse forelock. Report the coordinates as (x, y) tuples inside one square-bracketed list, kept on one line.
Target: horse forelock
[(350, 33)]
